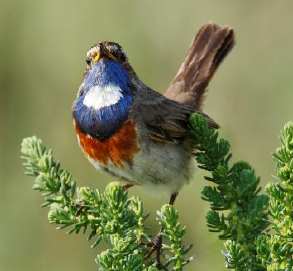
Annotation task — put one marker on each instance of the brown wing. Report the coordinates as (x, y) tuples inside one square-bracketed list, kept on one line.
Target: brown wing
[(166, 120)]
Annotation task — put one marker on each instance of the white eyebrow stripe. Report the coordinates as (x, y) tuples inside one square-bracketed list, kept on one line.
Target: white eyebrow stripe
[(99, 97)]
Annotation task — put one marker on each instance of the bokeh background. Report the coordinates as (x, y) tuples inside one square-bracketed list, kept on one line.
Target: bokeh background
[(42, 57)]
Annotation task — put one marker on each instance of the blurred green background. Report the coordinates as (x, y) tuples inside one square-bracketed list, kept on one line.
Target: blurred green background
[(42, 57)]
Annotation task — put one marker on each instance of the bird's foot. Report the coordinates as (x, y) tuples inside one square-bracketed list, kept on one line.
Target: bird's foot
[(156, 246)]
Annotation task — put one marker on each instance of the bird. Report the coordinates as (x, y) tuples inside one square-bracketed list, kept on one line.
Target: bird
[(135, 133)]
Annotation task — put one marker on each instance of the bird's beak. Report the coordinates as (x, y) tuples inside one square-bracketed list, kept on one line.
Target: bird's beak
[(103, 53)]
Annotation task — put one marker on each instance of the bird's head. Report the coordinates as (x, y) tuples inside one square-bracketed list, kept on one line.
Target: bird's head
[(107, 69), (107, 77), (106, 52), (106, 94)]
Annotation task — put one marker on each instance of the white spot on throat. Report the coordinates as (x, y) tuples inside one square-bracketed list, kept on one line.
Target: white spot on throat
[(99, 97)]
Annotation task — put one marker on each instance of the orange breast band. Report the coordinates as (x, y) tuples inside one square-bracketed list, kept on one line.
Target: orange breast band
[(121, 147)]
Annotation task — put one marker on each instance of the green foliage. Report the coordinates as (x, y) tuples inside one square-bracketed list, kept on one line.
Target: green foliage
[(110, 216), (172, 230), (257, 228), (238, 212), (275, 249)]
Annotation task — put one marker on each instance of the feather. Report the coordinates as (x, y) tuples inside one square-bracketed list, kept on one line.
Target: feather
[(166, 120), (210, 46)]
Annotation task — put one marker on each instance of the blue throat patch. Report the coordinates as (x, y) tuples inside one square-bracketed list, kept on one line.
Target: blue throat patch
[(104, 122)]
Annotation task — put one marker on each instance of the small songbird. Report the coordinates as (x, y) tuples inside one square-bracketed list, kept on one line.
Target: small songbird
[(135, 133)]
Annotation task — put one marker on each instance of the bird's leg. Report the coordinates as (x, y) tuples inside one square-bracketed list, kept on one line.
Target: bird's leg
[(157, 244), (127, 186), (173, 198)]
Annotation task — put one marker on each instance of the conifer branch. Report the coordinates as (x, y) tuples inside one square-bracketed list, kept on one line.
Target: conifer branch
[(110, 216), (239, 213), (257, 228), (275, 249)]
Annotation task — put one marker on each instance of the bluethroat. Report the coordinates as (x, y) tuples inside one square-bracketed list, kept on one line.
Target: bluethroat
[(130, 131)]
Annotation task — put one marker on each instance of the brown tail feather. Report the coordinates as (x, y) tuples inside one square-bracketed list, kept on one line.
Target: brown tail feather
[(210, 46)]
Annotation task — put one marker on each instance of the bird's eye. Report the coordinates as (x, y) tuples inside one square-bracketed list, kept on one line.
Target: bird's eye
[(122, 57), (88, 61)]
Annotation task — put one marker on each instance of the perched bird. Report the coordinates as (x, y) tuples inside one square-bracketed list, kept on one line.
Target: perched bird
[(135, 133)]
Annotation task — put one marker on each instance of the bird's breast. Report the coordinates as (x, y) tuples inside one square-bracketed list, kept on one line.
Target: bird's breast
[(119, 148), (104, 102)]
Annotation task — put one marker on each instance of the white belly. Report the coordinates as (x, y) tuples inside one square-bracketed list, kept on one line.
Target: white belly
[(158, 166)]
